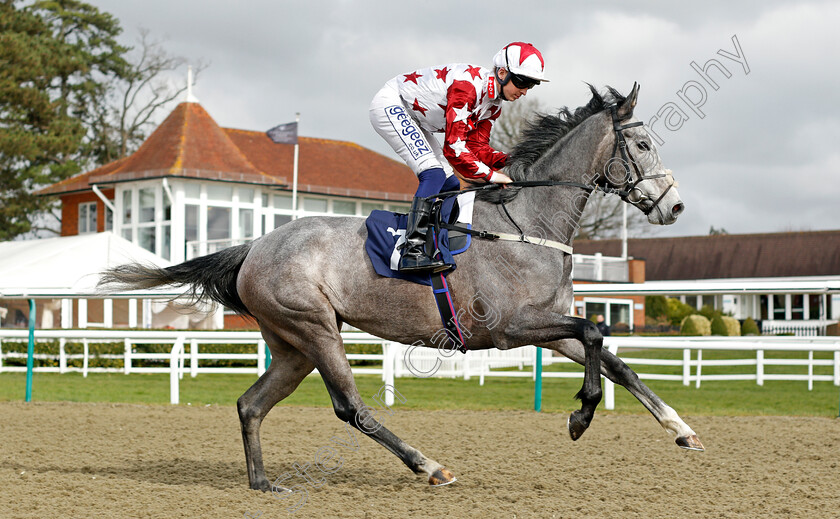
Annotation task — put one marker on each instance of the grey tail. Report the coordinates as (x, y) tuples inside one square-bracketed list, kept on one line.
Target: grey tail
[(209, 277)]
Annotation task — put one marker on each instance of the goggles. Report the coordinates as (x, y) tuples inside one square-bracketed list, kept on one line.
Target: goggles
[(522, 81)]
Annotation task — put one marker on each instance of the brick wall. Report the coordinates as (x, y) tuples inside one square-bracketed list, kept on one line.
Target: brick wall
[(70, 210)]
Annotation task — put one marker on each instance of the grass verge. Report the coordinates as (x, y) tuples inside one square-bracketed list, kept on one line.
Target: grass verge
[(722, 398)]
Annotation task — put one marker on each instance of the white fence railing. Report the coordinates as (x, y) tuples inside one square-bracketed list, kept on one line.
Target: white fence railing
[(398, 360), (600, 268), (811, 328)]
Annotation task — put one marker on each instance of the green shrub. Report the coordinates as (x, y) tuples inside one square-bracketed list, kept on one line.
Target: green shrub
[(718, 327), (709, 312), (678, 311), (694, 325), (750, 327), (656, 307), (733, 327)]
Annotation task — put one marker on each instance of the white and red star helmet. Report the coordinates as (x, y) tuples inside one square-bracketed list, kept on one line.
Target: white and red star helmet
[(522, 59)]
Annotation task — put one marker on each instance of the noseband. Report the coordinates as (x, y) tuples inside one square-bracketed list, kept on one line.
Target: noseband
[(626, 159)]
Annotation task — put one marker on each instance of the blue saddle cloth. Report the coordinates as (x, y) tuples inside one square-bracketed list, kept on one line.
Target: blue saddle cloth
[(386, 232)]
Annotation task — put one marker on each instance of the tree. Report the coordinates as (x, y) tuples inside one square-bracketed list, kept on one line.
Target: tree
[(603, 215), (128, 108), (71, 98), (53, 56)]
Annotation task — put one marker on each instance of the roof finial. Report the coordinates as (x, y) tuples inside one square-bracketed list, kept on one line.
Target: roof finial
[(190, 97)]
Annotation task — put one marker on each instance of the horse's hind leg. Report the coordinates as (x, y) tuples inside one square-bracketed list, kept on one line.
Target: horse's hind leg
[(620, 373), (287, 369), (350, 408)]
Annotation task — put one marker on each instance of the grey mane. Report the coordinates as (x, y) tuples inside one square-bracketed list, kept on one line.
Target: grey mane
[(541, 134)]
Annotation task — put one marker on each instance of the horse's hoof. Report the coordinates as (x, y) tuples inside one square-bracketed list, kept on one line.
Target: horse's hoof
[(576, 425), (441, 477), (262, 485), (691, 443)]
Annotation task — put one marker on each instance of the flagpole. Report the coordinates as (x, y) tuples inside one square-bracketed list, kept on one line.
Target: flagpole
[(295, 169)]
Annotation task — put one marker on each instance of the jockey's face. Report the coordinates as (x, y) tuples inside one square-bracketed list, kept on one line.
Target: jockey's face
[(510, 91)]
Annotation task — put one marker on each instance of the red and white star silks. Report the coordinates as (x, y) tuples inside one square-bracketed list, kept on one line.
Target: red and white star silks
[(460, 101)]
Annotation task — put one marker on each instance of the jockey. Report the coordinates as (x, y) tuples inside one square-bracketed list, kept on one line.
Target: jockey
[(461, 101)]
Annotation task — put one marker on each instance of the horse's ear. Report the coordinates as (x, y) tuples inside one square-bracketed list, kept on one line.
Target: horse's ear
[(625, 111)]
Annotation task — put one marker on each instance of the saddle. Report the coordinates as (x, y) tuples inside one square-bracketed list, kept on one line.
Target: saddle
[(450, 231)]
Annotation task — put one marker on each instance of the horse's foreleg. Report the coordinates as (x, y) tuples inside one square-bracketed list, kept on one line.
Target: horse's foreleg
[(350, 408), (288, 368), (620, 373), (531, 326)]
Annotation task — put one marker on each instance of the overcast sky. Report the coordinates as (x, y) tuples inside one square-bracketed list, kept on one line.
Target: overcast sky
[(764, 157)]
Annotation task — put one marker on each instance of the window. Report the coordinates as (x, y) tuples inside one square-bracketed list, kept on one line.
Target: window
[(191, 222), (344, 207), (814, 304), (147, 204), (167, 242), (87, 217), (282, 201), (109, 220), (619, 314), (192, 190), (280, 219), (246, 195), (367, 207), (779, 307), (246, 223), (592, 309), (218, 223), (219, 192), (399, 208), (763, 301), (797, 307), (315, 205), (146, 236), (127, 207), (190, 228)]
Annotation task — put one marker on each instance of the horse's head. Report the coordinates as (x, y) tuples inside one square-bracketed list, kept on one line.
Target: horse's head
[(632, 165)]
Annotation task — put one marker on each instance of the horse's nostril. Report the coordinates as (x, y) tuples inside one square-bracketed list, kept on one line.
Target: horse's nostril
[(677, 209)]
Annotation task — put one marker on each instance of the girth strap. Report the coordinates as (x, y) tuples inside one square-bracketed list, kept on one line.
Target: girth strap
[(486, 235), (447, 311)]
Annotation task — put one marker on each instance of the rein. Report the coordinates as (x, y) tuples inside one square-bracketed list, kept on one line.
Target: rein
[(619, 149)]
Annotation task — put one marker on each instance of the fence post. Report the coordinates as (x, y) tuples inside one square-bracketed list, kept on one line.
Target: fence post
[(62, 356), (127, 361), (181, 357), (467, 360), (174, 361), (609, 387), (194, 358), (388, 361), (85, 360), (837, 368), (261, 351), (699, 367), (538, 379), (811, 370), (686, 366), (759, 367), (30, 351)]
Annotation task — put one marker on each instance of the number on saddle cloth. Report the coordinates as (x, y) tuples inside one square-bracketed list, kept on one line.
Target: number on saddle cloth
[(386, 234)]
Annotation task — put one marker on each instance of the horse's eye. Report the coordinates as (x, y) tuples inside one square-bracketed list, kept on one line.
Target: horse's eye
[(642, 145)]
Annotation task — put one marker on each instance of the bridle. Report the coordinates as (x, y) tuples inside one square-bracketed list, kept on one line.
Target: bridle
[(620, 154), (626, 159)]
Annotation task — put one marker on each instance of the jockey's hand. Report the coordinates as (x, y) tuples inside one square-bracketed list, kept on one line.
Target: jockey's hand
[(500, 178)]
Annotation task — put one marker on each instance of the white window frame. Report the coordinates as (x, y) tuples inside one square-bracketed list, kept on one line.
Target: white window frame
[(86, 221)]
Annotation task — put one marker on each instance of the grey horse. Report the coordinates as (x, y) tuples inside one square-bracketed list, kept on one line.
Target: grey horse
[(304, 279)]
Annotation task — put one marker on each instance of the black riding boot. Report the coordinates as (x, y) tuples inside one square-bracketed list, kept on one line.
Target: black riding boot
[(416, 255)]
